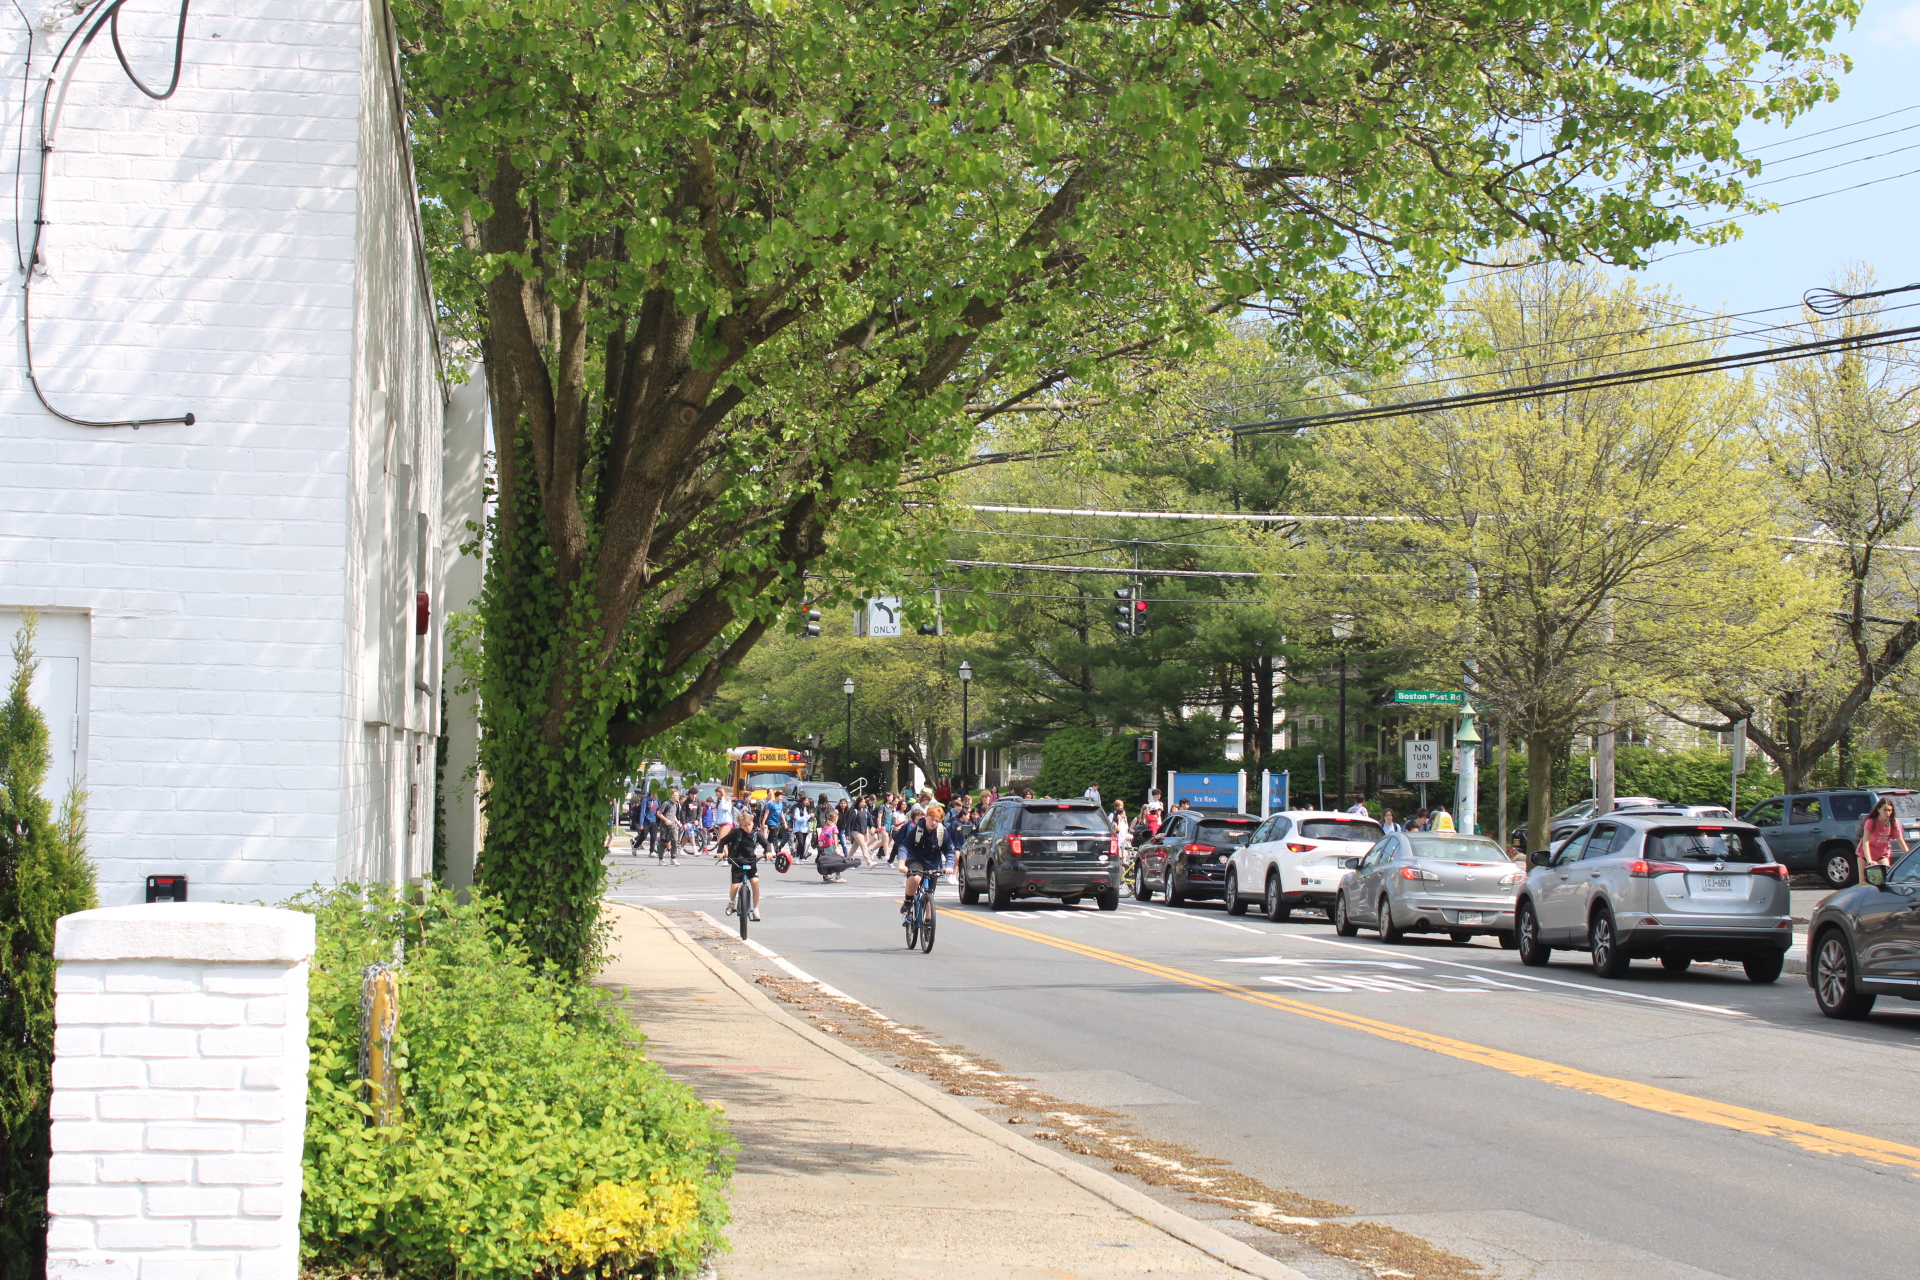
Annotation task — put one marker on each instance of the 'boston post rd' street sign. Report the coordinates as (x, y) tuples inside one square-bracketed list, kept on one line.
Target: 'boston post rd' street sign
[(1448, 696)]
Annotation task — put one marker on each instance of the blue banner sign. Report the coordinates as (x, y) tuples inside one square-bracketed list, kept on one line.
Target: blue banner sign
[(1205, 790), (1277, 789)]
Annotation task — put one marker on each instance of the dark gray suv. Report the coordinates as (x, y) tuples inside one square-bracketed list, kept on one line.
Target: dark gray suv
[(1062, 849), (1817, 830)]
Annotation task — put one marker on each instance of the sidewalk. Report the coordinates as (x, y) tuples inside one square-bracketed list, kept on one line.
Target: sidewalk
[(850, 1170)]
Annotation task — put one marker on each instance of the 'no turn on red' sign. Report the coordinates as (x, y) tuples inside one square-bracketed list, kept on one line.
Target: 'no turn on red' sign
[(1423, 760)]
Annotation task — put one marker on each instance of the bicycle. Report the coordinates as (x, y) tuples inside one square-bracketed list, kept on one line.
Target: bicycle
[(745, 903), (919, 917)]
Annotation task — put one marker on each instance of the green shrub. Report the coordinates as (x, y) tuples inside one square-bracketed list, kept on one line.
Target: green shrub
[(1072, 759), (44, 874), (520, 1092)]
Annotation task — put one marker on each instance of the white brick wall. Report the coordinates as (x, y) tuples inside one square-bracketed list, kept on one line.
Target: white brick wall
[(244, 250), (179, 1093)]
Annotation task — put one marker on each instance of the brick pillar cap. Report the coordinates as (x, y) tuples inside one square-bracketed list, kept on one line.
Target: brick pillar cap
[(219, 932)]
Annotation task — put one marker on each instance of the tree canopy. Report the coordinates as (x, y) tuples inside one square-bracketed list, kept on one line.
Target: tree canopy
[(746, 274)]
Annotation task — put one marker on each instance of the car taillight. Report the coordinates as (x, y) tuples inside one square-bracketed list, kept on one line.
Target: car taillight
[(1294, 846), (1641, 870), (1013, 845), (1773, 869), (1198, 848), (1113, 845), (1417, 873), (1512, 878)]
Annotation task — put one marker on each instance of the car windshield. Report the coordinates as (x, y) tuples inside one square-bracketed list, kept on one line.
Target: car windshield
[(768, 781), (1456, 849), (1061, 820), (1704, 844), (1906, 807), (1573, 811), (1340, 829), (1226, 830)]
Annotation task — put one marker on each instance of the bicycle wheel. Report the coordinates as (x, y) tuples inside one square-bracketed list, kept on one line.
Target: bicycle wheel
[(926, 923), (910, 921), (745, 903)]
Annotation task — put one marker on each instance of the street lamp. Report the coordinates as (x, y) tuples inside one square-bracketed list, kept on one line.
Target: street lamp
[(1466, 766), (966, 758), (846, 759), (1342, 632)]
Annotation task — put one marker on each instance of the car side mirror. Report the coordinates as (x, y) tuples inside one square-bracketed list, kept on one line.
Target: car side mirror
[(1875, 876), (1351, 864), (1540, 858)]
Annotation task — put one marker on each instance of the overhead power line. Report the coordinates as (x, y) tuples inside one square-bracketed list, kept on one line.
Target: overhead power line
[(1274, 517), (1590, 382)]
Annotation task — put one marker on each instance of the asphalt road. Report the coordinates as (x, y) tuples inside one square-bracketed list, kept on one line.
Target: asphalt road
[(1543, 1122)]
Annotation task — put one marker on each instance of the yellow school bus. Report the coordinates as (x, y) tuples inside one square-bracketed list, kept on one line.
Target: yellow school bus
[(758, 772)]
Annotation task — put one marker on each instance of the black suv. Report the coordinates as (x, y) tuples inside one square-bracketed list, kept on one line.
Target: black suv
[(1061, 849), (1190, 856)]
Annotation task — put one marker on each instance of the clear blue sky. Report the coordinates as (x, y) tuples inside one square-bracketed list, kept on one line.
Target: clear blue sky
[(1803, 246)]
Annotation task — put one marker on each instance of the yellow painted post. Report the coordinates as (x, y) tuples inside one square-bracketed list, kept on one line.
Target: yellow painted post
[(379, 1017)]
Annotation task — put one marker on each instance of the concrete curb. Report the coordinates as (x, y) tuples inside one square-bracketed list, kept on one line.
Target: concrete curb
[(1217, 1244)]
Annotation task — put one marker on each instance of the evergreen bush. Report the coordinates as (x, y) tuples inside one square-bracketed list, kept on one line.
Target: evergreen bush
[(534, 1137), (1073, 759), (44, 874)]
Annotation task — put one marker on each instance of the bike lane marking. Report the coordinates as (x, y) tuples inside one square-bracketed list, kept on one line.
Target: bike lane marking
[(1811, 1137)]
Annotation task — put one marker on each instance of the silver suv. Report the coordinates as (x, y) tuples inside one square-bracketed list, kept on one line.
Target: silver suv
[(1639, 886), (1817, 830)]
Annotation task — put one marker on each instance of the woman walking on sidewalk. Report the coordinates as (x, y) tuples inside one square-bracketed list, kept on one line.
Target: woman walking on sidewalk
[(1879, 836)]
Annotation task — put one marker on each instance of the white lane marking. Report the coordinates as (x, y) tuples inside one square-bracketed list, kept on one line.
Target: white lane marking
[(1528, 977), (1288, 960), (1350, 982)]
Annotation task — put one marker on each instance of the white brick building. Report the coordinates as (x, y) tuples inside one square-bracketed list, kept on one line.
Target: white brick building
[(234, 671)]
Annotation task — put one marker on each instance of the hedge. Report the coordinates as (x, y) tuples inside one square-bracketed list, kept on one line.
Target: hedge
[(535, 1138)]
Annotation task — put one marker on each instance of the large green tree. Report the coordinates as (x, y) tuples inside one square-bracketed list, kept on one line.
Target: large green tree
[(743, 272)]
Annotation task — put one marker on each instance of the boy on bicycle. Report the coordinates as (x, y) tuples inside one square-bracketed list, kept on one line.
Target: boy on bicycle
[(741, 845), (924, 855)]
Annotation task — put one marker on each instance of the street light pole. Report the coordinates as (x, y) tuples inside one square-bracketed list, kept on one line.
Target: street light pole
[(966, 756), (846, 758)]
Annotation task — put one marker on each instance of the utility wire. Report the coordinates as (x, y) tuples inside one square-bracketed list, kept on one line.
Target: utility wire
[(1590, 382)]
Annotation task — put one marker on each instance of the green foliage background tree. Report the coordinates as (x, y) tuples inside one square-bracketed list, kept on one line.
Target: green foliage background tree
[(744, 275), (1554, 551), (1843, 462), (44, 874)]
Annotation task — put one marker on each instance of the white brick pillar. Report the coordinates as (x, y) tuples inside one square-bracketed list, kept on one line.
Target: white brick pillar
[(179, 1093)]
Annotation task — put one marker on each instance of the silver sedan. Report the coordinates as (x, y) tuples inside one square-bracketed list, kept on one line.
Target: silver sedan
[(1430, 882)]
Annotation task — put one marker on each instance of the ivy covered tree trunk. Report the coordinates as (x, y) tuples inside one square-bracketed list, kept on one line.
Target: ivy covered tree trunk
[(44, 874)]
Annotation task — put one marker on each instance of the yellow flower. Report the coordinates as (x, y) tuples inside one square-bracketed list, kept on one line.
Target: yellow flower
[(625, 1223)]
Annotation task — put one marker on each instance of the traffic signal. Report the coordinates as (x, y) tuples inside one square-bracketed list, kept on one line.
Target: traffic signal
[(1123, 601), (812, 631), (1143, 750)]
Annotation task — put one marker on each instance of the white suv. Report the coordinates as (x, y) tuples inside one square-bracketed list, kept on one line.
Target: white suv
[(1297, 859)]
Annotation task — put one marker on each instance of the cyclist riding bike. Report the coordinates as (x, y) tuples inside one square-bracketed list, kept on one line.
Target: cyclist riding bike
[(924, 855), (741, 847)]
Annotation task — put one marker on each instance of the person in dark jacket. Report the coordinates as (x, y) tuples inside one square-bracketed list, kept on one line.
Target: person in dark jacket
[(922, 840)]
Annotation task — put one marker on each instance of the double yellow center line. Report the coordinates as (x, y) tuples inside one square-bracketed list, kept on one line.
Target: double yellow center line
[(1812, 1137)]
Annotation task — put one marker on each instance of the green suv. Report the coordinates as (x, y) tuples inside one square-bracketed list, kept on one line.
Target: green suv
[(1817, 830)]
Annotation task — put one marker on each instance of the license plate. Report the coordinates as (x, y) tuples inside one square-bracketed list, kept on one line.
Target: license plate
[(1471, 917), (1068, 846), (1716, 884)]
